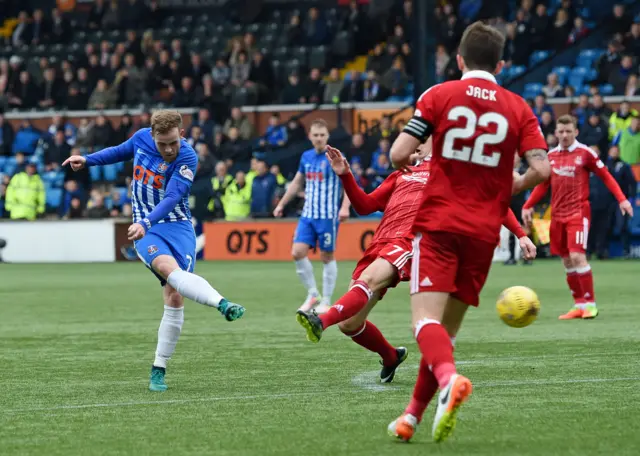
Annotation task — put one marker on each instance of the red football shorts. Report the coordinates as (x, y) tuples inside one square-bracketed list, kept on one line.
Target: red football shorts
[(451, 263), (569, 236), (398, 252)]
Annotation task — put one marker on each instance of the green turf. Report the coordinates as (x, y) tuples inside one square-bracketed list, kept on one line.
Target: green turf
[(77, 342)]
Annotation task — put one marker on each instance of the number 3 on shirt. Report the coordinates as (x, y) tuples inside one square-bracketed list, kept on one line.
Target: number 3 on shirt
[(475, 155)]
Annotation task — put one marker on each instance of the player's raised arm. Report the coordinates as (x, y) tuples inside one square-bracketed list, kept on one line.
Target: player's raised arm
[(416, 132), (292, 190), (363, 203), (116, 154)]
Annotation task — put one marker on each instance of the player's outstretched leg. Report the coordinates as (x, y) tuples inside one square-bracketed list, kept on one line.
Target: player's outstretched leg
[(168, 335), (367, 335), (426, 387)]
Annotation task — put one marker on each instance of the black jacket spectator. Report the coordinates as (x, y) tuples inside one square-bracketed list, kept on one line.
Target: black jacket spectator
[(595, 132), (6, 136), (293, 92)]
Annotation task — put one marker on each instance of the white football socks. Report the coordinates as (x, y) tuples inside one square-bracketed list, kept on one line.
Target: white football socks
[(194, 287), (304, 269), (329, 277), (168, 334)]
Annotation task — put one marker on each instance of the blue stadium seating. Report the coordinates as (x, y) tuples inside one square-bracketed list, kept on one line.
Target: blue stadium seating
[(3, 160), (96, 173), (587, 57), (10, 166), (110, 172), (538, 56), (516, 71), (606, 89), (54, 197), (577, 76), (531, 89)]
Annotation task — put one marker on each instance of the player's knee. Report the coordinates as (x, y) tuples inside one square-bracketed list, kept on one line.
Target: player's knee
[(372, 280), (172, 298), (164, 265), (326, 257), (568, 262), (350, 325), (297, 254), (578, 259)]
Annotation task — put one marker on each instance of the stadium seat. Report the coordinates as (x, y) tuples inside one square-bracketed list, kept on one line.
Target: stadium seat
[(53, 197), (578, 76), (587, 57), (300, 53), (3, 160), (562, 72), (533, 87), (318, 58), (96, 173), (10, 166), (342, 44), (537, 57), (516, 71), (110, 172), (606, 89)]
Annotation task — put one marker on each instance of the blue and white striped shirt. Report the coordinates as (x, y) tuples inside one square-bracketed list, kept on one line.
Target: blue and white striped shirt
[(151, 176), (323, 188)]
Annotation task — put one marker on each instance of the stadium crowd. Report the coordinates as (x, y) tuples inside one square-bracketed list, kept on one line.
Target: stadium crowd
[(122, 63)]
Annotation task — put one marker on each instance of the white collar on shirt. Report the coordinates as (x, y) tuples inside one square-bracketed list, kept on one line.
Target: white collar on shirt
[(479, 74), (573, 146)]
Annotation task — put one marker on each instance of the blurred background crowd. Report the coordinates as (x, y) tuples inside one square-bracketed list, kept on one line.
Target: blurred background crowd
[(134, 56)]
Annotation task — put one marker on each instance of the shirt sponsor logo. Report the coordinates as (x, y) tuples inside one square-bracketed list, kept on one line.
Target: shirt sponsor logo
[(147, 176)]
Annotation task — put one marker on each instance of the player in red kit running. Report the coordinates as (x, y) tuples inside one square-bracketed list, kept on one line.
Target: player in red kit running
[(571, 164), (387, 260), (477, 126)]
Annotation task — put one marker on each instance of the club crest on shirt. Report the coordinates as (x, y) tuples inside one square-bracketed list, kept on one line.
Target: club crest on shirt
[(578, 161), (162, 168), (152, 250), (186, 173)]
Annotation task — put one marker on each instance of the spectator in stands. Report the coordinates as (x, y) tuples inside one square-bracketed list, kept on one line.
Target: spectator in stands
[(60, 28), (207, 124), (280, 179), (598, 105), (620, 74), (623, 174), (580, 111), (72, 190), (569, 92), (25, 198), (26, 138), (608, 61), (52, 91), (358, 152), (295, 131), (6, 136), (395, 79), (547, 125), (540, 105), (4, 93), (315, 28), (333, 87), (235, 149), (221, 73), (372, 90), (276, 134), (75, 209), (123, 132), (103, 133), (621, 119), (632, 39), (293, 91), (620, 22), (595, 132), (22, 32), (384, 130), (261, 76), (25, 94), (206, 161), (450, 32), (352, 89), (553, 88), (239, 121), (102, 97), (376, 61), (96, 207), (521, 35), (56, 152), (313, 89), (561, 29), (262, 192), (94, 20), (632, 87), (442, 59), (539, 27), (39, 28), (219, 183), (185, 96), (59, 123), (240, 70), (294, 29), (579, 31), (628, 140), (237, 199)]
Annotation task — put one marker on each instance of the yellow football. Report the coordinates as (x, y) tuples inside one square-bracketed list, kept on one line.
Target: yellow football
[(518, 306)]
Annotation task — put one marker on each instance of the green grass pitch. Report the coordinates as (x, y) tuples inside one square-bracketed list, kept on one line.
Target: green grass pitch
[(77, 342)]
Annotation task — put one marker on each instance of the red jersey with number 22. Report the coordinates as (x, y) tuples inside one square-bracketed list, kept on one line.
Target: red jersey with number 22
[(477, 127)]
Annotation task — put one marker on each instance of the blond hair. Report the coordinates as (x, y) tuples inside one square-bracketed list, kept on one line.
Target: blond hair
[(567, 119), (319, 123), (165, 120)]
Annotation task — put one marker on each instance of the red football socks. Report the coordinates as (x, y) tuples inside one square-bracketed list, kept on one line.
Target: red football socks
[(575, 286), (426, 387), (585, 277), (348, 305), (436, 348), (370, 337)]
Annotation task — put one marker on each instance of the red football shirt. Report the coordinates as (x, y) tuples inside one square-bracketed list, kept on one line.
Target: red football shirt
[(477, 127), (399, 196), (569, 182)]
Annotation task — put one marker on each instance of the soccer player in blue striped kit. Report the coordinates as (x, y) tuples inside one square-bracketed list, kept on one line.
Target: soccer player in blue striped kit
[(320, 218), (164, 167)]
